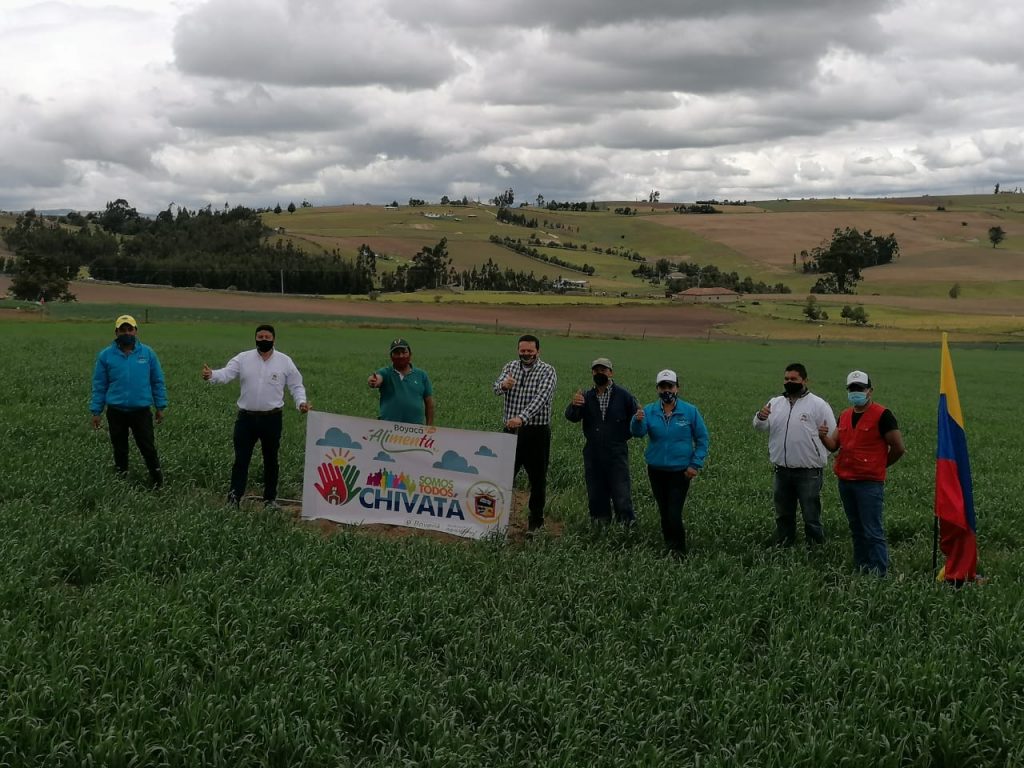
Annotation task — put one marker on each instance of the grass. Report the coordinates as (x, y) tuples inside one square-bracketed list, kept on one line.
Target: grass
[(167, 629), (888, 317)]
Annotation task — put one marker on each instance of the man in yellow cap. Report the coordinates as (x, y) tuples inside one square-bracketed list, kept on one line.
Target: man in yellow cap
[(129, 382)]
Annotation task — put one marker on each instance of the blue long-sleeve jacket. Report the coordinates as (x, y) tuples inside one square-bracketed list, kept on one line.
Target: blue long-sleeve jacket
[(613, 429), (677, 442), (130, 381)]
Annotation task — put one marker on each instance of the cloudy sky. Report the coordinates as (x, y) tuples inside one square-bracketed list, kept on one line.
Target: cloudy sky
[(337, 101)]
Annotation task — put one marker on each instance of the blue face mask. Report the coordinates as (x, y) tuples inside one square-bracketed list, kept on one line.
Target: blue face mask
[(857, 398), (125, 341)]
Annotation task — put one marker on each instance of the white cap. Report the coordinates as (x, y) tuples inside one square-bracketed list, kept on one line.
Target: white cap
[(667, 375), (858, 377)]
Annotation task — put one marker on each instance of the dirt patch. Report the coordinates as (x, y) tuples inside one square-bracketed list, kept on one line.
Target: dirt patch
[(665, 320)]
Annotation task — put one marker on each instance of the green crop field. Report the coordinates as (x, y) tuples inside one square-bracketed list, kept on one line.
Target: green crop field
[(165, 628)]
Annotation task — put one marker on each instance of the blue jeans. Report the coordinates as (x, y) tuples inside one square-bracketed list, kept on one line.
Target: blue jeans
[(863, 501), (803, 485), (606, 471)]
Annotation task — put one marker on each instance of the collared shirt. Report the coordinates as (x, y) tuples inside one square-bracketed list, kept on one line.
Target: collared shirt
[(402, 396), (530, 399), (604, 397), (262, 382)]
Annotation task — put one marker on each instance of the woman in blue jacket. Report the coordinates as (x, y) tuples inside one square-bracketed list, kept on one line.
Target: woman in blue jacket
[(676, 450)]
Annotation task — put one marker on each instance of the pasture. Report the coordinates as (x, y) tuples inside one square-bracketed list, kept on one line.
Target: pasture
[(165, 628), (760, 240)]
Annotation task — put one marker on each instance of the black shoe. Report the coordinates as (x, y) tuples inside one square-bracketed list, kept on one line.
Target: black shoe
[(232, 500), (533, 526), (156, 479)]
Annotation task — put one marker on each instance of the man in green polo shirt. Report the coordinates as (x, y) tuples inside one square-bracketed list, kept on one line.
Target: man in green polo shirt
[(405, 391)]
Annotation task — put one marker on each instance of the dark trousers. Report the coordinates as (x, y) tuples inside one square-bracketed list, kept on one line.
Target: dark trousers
[(533, 451), (801, 485), (139, 423), (670, 487), (606, 472), (251, 428)]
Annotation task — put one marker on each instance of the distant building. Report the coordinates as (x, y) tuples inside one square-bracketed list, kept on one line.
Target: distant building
[(569, 285), (707, 296)]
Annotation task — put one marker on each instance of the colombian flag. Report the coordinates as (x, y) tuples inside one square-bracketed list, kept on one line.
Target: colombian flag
[(954, 496)]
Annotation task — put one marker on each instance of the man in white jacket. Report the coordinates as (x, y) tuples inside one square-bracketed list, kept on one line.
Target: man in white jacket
[(792, 420)]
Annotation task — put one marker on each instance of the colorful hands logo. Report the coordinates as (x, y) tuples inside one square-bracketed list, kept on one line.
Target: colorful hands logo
[(338, 478)]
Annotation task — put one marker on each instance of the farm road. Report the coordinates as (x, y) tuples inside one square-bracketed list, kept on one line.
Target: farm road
[(673, 321)]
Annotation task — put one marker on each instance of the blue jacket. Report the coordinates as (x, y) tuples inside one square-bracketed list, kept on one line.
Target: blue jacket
[(128, 382), (613, 429), (679, 442)]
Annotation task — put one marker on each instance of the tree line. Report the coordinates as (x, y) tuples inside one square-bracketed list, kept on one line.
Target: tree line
[(704, 276), (206, 247), (533, 253)]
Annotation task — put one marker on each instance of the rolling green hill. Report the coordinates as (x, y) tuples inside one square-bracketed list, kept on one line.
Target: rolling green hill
[(943, 239)]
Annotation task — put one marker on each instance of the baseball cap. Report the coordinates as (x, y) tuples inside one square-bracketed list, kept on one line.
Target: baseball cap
[(125, 319), (602, 361), (667, 375), (400, 344), (858, 377)]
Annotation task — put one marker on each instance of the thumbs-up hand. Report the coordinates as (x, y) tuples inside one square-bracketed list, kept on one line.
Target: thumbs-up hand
[(765, 411), (507, 383), (577, 399), (823, 430), (375, 380), (640, 413), (207, 372)]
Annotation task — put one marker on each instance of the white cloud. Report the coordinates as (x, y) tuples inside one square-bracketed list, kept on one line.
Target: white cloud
[(197, 101), (309, 44)]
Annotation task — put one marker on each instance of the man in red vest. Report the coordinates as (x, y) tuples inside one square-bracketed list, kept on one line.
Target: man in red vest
[(869, 441)]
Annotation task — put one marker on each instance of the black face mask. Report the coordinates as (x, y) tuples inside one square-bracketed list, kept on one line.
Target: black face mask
[(667, 397), (125, 341), (264, 345), (793, 387), (527, 360), (601, 379)]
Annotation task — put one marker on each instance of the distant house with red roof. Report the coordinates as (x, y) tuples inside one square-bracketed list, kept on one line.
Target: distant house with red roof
[(707, 296)]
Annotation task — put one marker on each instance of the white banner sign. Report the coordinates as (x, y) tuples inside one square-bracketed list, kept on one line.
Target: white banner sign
[(369, 471)]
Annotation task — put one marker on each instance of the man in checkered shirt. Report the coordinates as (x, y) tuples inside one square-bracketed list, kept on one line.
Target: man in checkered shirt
[(528, 386)]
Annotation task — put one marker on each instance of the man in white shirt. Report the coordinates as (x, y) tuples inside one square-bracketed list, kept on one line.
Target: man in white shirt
[(263, 374), (792, 420)]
